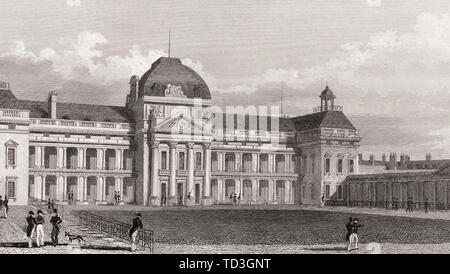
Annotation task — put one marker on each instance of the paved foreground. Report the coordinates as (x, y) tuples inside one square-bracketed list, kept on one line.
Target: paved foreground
[(13, 239)]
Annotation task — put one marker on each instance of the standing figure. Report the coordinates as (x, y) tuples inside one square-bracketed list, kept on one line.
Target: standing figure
[(56, 227), (387, 203), (137, 224), (40, 228), (425, 205), (348, 226), (5, 203), (234, 198), (31, 225), (354, 235), (2, 208)]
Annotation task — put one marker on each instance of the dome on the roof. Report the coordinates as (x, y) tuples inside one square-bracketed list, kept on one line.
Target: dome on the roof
[(168, 77), (327, 93)]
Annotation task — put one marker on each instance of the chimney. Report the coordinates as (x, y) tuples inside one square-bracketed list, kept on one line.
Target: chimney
[(371, 159), (52, 99), (428, 157), (360, 158), (134, 87), (383, 157)]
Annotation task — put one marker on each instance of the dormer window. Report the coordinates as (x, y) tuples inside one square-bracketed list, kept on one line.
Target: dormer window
[(11, 153)]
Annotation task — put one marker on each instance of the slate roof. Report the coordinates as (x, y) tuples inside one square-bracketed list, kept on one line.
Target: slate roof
[(254, 122), (166, 71), (39, 109), (331, 119)]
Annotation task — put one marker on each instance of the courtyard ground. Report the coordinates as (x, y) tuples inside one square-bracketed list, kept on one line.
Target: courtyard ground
[(243, 229)]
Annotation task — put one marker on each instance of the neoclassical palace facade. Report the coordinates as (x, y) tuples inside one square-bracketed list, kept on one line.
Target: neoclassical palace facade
[(170, 145)]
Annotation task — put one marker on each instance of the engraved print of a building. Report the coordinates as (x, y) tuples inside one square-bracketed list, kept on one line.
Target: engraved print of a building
[(169, 146)]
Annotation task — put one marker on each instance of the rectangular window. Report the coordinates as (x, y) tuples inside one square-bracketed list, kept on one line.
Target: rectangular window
[(339, 167), (327, 191), (350, 168), (327, 165), (339, 192), (303, 191), (313, 165), (11, 189), (198, 161), (11, 156), (163, 160), (181, 161)]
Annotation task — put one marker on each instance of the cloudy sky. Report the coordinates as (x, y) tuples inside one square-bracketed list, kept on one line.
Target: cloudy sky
[(388, 62)]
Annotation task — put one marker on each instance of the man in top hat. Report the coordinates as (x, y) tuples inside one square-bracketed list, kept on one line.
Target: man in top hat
[(354, 235), (31, 224), (56, 226), (137, 224), (40, 228)]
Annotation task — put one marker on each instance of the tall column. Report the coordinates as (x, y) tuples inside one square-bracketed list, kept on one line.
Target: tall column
[(42, 158), (287, 191), (80, 189), (43, 187), (59, 188), (155, 185), (220, 190), (271, 192), (99, 158), (237, 187), (58, 157), (79, 158), (121, 189), (190, 178), (104, 190), (254, 190), (99, 188), (254, 162), (103, 158), (64, 157), (64, 188), (84, 157), (117, 160), (173, 173), (207, 174), (37, 156), (38, 187), (223, 161)]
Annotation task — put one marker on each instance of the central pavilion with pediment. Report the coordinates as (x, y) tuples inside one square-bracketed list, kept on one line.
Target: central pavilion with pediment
[(170, 145)]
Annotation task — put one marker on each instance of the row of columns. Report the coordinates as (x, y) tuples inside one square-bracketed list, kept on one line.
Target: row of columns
[(401, 191), (156, 184), (61, 156), (255, 190), (82, 184), (256, 162)]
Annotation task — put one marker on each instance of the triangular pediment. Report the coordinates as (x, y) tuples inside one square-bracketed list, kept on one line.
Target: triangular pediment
[(180, 124), (11, 143)]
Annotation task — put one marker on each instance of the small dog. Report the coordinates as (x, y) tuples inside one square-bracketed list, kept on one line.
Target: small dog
[(73, 237)]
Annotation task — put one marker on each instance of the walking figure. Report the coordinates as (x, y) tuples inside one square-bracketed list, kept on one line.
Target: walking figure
[(31, 226), (137, 224), (348, 226), (40, 228), (56, 227), (354, 236), (234, 198)]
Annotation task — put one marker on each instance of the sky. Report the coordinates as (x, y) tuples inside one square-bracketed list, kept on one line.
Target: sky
[(387, 62)]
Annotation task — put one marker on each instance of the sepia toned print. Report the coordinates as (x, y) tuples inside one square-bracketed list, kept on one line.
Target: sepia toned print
[(221, 127)]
